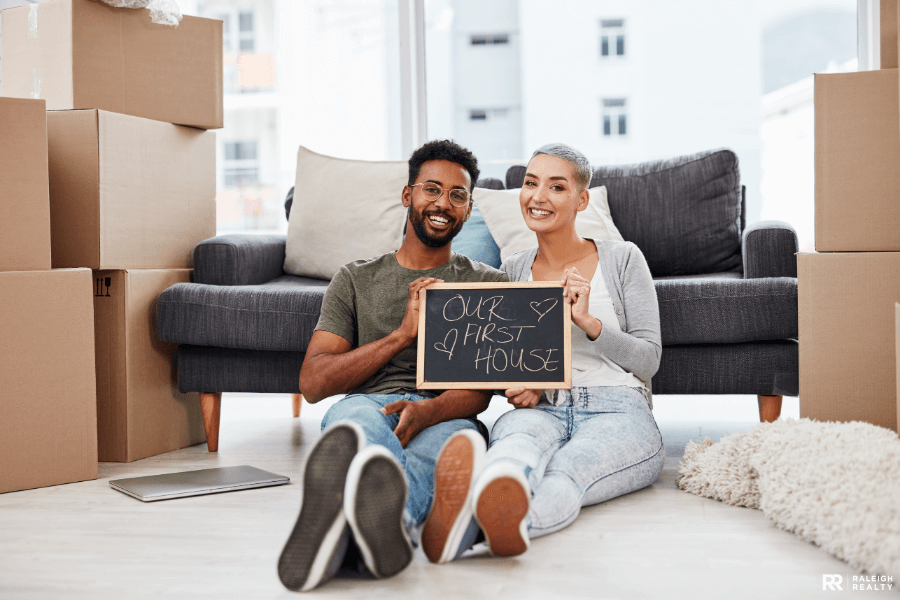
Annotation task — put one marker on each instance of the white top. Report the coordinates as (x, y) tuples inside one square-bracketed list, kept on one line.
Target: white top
[(591, 368)]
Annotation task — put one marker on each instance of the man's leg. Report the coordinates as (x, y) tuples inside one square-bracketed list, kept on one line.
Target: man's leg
[(365, 410)]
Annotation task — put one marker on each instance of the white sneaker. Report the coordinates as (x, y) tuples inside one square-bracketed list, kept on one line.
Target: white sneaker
[(502, 497), (374, 501), (450, 529), (316, 546)]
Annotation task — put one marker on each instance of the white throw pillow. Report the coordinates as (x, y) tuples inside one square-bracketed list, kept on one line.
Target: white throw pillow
[(504, 219), (343, 210)]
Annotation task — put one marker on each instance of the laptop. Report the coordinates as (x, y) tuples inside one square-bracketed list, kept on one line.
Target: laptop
[(196, 483)]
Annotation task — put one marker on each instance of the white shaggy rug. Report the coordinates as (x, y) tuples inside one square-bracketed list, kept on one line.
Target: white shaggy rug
[(836, 485)]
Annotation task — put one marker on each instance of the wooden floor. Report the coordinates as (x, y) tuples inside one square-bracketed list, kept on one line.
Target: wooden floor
[(84, 540)]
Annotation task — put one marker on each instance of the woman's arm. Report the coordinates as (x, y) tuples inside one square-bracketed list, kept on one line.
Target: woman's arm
[(638, 349)]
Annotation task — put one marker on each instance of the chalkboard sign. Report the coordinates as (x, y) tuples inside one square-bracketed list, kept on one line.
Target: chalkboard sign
[(494, 336)]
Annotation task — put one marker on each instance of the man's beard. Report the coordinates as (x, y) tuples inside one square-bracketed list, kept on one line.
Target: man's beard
[(418, 224)]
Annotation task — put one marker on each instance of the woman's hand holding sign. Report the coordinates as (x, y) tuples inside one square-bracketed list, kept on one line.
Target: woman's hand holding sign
[(577, 292)]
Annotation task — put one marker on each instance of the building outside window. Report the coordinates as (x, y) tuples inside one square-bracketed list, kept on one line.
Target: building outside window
[(612, 37), (489, 40), (615, 116), (241, 166)]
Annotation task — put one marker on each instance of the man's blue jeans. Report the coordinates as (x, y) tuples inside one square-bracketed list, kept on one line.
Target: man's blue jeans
[(419, 456)]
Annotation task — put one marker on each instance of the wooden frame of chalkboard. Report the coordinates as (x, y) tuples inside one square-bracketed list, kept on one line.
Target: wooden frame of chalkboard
[(469, 339)]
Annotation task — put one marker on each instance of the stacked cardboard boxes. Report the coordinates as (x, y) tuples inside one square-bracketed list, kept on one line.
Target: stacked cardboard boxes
[(131, 172), (48, 418), (848, 288)]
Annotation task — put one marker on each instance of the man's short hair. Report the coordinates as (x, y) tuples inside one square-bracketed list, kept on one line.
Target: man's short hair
[(579, 161), (443, 150)]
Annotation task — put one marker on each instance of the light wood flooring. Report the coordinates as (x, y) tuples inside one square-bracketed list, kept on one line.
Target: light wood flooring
[(86, 541)]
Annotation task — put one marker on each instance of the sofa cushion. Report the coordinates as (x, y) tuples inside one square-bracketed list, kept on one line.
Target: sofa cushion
[(278, 315), (756, 368), (205, 369), (343, 210), (684, 213), (503, 216), (726, 310)]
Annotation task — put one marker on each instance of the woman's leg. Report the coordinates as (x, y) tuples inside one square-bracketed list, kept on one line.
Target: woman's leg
[(527, 438), (615, 449)]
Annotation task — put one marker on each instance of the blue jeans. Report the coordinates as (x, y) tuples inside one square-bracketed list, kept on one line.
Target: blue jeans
[(419, 456), (599, 443)]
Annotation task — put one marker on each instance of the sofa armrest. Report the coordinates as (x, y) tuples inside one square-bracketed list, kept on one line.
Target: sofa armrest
[(769, 249), (239, 259)]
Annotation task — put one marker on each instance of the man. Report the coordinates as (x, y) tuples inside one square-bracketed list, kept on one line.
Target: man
[(369, 480)]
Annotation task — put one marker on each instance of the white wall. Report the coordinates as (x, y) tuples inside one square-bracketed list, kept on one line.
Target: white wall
[(691, 78)]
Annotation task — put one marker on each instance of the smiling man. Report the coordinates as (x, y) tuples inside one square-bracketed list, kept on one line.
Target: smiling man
[(369, 479)]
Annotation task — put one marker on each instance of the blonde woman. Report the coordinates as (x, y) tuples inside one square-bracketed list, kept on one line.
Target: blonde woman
[(561, 449)]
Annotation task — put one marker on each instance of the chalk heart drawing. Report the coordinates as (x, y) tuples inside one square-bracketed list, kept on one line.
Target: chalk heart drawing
[(538, 307), (442, 346)]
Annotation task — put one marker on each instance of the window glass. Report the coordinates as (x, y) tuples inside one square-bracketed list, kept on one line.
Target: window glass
[(317, 73), (687, 76)]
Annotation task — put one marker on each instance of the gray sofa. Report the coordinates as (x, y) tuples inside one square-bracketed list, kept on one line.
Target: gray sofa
[(727, 292)]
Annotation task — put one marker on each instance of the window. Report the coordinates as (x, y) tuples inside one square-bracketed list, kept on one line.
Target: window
[(615, 117), (245, 20), (486, 40), (241, 164), (484, 114), (612, 37)]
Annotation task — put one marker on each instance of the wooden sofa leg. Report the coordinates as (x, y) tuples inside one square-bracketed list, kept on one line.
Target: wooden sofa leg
[(769, 408), (298, 400), (210, 404)]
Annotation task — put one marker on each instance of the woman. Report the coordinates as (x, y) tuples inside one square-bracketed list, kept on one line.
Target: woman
[(564, 449)]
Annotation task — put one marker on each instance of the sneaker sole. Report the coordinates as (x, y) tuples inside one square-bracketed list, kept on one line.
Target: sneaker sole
[(316, 535), (378, 500), (449, 516), (501, 509)]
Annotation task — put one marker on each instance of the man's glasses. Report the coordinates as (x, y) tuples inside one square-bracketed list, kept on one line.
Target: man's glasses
[(432, 191)]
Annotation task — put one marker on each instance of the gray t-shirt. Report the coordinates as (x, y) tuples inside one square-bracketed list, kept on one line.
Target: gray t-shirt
[(366, 301)]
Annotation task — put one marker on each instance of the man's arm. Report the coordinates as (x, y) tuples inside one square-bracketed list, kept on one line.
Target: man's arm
[(452, 404), (331, 367)]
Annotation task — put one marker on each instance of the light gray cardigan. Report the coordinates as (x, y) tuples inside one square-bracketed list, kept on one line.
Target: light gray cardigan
[(634, 342)]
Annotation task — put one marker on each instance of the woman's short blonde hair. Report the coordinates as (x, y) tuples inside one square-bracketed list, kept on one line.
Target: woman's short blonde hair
[(579, 161)]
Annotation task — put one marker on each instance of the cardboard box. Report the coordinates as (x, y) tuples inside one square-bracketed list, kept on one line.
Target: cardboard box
[(128, 192), (86, 54), (140, 411), (897, 354), (888, 29), (24, 200), (48, 407), (857, 162), (848, 368)]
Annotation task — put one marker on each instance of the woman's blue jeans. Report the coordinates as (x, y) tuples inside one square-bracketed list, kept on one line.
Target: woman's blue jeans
[(599, 443), (417, 459)]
